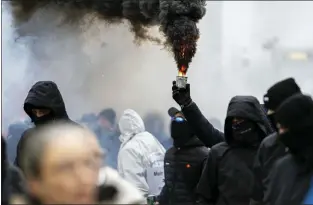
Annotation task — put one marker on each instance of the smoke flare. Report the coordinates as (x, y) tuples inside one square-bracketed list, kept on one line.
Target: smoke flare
[(177, 19)]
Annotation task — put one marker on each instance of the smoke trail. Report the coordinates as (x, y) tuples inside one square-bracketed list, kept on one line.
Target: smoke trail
[(177, 19)]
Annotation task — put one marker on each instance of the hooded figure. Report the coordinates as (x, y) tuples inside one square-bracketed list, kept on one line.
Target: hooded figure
[(271, 149), (43, 104), (291, 179), (154, 124), (139, 151), (227, 177), (183, 165)]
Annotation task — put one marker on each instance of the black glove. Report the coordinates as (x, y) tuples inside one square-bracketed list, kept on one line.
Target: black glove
[(181, 95)]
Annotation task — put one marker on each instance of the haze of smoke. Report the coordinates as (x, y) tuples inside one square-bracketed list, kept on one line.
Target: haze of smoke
[(122, 75), (177, 19), (98, 68)]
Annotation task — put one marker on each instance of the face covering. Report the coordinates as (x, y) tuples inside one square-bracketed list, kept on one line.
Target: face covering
[(180, 131), (42, 120), (246, 133)]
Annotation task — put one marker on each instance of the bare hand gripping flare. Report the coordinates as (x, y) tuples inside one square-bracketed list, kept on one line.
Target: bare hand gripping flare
[(177, 20)]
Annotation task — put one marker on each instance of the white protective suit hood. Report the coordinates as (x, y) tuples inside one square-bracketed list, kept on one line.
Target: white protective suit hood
[(139, 151), (130, 124)]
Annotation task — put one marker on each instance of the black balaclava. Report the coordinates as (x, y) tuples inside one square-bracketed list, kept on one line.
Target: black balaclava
[(296, 115), (245, 133), (43, 119), (180, 132), (277, 94)]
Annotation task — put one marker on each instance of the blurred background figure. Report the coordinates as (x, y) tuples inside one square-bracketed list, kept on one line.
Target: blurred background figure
[(108, 133), (154, 123), (15, 132), (12, 181), (62, 165), (89, 120)]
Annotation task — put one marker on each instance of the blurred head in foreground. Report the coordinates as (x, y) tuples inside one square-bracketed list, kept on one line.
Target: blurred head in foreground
[(61, 163)]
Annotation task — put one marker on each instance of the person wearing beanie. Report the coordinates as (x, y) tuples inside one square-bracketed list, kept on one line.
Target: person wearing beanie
[(277, 94), (291, 179), (183, 164), (271, 148)]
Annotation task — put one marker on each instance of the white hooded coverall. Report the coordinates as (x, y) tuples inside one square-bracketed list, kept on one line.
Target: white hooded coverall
[(139, 150)]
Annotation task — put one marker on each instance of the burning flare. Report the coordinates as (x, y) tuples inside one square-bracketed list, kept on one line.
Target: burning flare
[(182, 71)]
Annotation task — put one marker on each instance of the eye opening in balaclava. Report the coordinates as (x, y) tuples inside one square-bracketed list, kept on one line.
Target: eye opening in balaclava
[(181, 131), (245, 132), (42, 119)]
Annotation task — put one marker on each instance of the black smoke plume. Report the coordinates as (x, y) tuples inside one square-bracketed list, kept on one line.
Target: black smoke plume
[(177, 19)]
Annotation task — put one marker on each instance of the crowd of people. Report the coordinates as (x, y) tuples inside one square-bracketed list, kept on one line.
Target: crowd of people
[(263, 156)]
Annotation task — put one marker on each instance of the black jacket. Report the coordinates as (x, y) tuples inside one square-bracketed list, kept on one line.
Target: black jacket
[(201, 126), (227, 178), (182, 169), (43, 94), (270, 150), (289, 183)]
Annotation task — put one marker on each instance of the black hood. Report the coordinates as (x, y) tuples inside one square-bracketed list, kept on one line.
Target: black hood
[(46, 94), (247, 107)]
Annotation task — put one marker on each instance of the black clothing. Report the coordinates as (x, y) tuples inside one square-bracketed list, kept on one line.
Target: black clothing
[(280, 92), (181, 133), (173, 111), (182, 169), (181, 95), (270, 150), (201, 126), (43, 94), (228, 177), (291, 176), (288, 183), (296, 112)]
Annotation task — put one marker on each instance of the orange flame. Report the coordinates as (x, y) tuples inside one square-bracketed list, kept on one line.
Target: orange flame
[(182, 71)]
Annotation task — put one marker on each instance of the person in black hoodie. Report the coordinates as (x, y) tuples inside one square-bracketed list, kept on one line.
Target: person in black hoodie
[(271, 148), (183, 165), (43, 104), (228, 176), (291, 178)]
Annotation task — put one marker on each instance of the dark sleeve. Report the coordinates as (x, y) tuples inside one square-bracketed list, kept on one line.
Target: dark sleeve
[(202, 127), (163, 197), (207, 189), (258, 188)]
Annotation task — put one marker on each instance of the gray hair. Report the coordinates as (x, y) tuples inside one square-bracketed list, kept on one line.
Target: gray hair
[(37, 141)]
